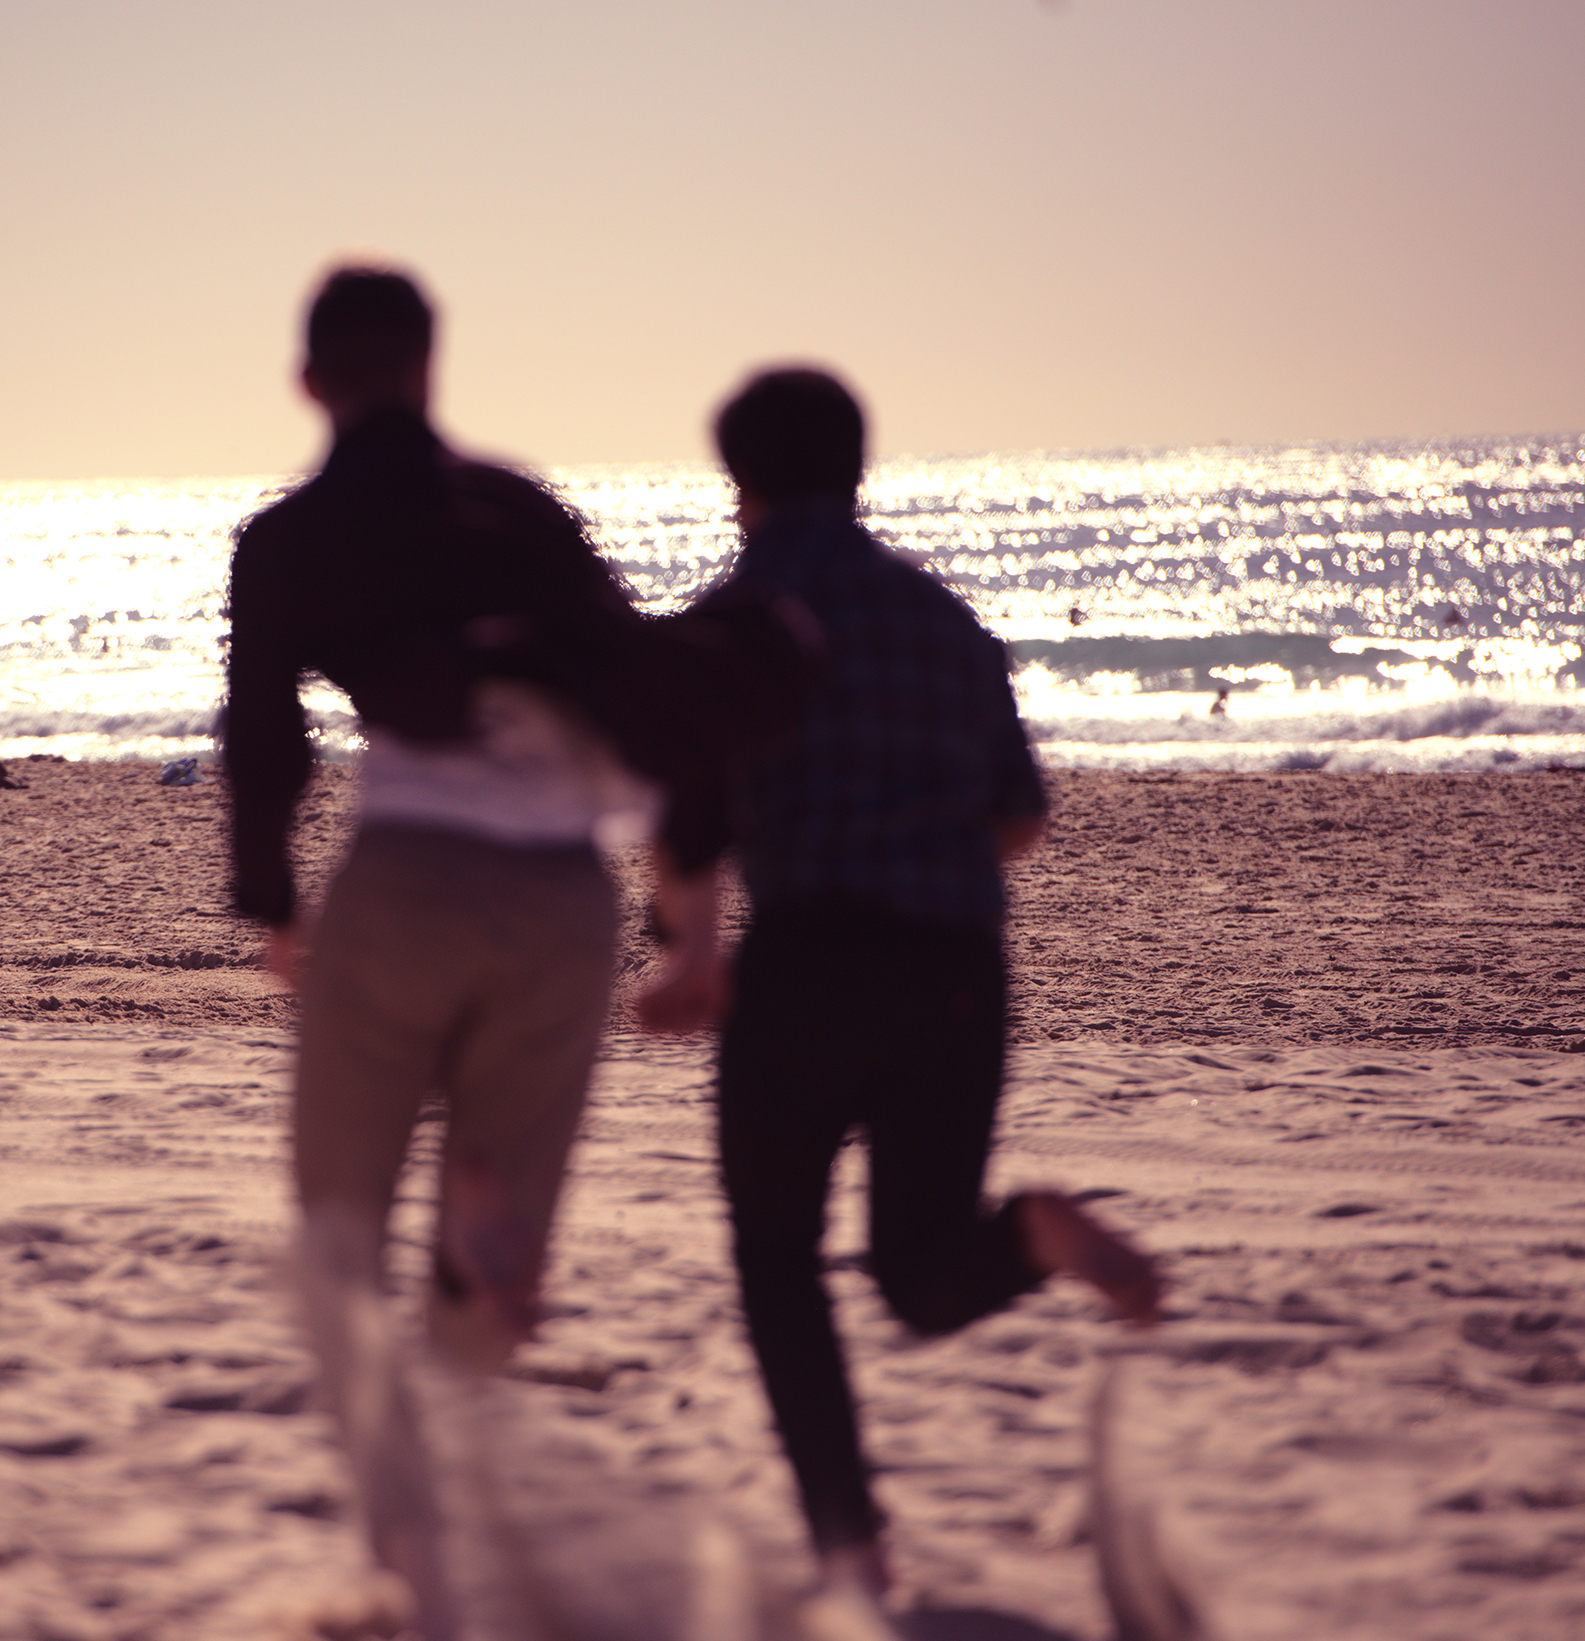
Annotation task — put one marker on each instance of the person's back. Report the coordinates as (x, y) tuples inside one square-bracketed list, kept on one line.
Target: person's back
[(889, 786), (465, 945), (399, 539), (371, 575), (869, 988)]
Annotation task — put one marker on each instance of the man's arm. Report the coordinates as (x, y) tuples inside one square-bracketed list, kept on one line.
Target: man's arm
[(283, 951), (694, 834), (692, 993), (266, 735), (1019, 801), (1019, 835)]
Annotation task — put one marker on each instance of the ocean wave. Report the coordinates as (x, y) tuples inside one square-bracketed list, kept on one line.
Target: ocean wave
[(159, 730), (1311, 722), (1242, 661), (1481, 755), (40, 722)]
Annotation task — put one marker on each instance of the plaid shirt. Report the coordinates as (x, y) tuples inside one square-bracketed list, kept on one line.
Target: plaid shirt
[(909, 750)]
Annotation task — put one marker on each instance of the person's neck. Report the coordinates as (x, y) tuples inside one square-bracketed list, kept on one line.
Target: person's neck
[(799, 509), (349, 416)]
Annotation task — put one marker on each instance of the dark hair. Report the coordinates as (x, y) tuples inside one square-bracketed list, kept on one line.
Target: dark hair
[(367, 328), (792, 433)]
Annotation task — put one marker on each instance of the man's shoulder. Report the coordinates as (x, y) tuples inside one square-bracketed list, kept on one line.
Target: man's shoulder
[(509, 496), (919, 591), (282, 519), (499, 481)]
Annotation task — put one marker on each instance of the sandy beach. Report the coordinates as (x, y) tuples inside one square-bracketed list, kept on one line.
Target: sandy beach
[(1317, 1039), (1433, 911)]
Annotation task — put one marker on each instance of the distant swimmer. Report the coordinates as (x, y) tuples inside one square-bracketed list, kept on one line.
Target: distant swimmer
[(1219, 705), (1452, 617), (1075, 616)]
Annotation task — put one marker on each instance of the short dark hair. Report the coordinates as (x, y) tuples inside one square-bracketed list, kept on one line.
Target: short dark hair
[(793, 432), (367, 328)]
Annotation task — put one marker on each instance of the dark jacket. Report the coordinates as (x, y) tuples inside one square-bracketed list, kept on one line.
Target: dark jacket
[(403, 573)]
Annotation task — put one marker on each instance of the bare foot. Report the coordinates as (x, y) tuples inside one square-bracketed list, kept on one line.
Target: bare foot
[(377, 1608), (485, 1295), (849, 1603), (467, 1333), (856, 1567), (1060, 1236)]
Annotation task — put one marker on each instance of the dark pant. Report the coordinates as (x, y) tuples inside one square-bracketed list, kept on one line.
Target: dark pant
[(844, 1015)]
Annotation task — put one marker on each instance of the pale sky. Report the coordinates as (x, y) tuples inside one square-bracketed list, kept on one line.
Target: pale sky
[(1013, 224)]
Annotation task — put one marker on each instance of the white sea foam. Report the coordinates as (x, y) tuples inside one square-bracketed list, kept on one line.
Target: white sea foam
[(1384, 608)]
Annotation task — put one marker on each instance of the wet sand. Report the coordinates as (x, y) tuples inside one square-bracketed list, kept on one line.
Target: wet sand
[(1312, 1037)]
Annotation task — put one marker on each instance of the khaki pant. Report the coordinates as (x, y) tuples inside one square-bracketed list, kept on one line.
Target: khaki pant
[(447, 964)]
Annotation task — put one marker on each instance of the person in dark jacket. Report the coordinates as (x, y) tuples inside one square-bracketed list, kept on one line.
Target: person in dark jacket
[(513, 703), (869, 988)]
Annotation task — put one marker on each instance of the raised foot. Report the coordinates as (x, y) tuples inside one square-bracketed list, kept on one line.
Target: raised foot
[(376, 1608), (1060, 1236)]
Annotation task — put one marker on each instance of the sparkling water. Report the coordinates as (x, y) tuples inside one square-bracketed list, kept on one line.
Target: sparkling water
[(1349, 608)]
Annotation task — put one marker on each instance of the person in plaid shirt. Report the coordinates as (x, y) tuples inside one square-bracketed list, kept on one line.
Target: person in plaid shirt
[(869, 989)]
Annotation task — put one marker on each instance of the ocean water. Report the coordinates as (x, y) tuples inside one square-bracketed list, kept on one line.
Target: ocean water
[(1403, 607)]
